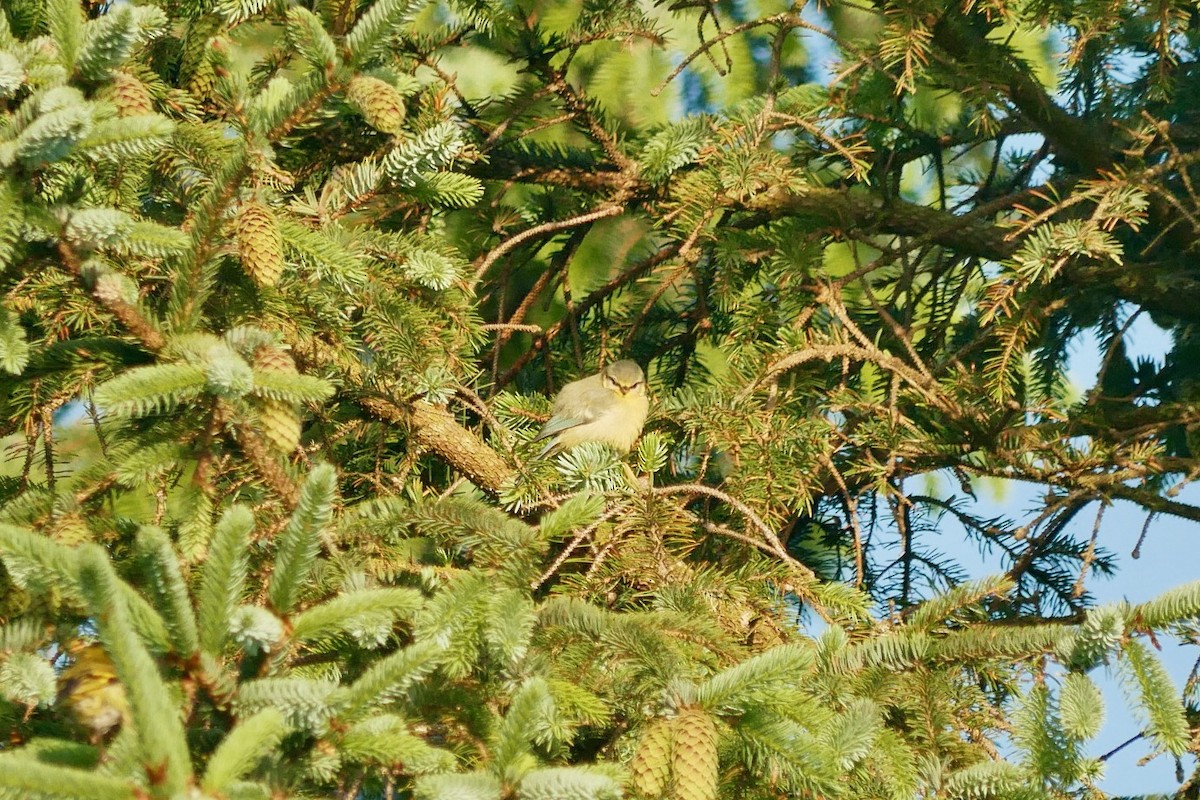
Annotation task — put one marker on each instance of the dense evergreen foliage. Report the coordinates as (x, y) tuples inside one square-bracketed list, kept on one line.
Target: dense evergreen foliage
[(285, 288)]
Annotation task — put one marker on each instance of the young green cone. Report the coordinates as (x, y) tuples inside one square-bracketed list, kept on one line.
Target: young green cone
[(695, 755), (378, 101), (651, 766), (260, 244), (130, 95), (279, 419)]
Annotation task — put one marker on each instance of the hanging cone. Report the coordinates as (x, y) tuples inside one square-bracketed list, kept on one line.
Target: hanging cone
[(651, 765), (378, 101), (695, 755), (280, 423), (273, 359), (70, 528), (197, 68), (279, 420), (130, 95), (260, 244)]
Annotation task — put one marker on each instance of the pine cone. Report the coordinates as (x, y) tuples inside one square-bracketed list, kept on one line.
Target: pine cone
[(280, 423), (197, 67), (260, 244), (651, 766), (273, 359), (279, 420), (70, 528), (695, 755), (378, 101), (202, 80), (130, 95)]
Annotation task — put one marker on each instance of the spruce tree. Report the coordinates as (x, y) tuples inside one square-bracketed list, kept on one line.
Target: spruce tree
[(285, 289)]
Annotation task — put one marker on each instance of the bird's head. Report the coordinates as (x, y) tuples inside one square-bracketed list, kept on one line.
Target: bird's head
[(625, 378)]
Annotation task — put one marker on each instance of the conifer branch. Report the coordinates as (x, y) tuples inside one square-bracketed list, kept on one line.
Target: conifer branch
[(1072, 137), (769, 536), (508, 166), (830, 351), (832, 338), (204, 224), (129, 316), (578, 539), (431, 428), (1152, 501), (512, 327), (436, 429), (971, 234), (539, 230), (261, 458), (580, 106), (247, 438), (850, 502), (305, 109)]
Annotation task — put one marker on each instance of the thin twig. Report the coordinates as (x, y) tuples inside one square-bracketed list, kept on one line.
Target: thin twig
[(94, 417), (1096, 393), (704, 47), (48, 447), (828, 352), (852, 515), (1122, 746), (777, 548), (512, 326), (593, 299), (1137, 548), (538, 230), (574, 543), (1089, 554)]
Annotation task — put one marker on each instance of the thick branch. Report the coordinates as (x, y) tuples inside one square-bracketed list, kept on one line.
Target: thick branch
[(436, 429), (1074, 140), (853, 211), (510, 166), (975, 234), (1151, 501)]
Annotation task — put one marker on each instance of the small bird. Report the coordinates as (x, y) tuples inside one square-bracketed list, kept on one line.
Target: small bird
[(92, 691), (609, 407)]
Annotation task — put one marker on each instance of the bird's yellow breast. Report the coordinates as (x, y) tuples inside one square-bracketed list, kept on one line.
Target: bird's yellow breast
[(618, 426)]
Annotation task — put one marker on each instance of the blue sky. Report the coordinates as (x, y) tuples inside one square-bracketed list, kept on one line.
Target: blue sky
[(1159, 568), (1164, 563)]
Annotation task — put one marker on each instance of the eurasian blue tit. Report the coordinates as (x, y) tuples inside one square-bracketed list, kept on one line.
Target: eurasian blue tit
[(609, 407)]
